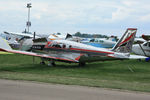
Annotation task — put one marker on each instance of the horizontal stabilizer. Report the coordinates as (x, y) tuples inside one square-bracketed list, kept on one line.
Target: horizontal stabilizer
[(137, 57)]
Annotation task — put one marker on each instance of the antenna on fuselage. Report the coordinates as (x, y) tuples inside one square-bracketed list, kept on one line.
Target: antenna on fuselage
[(34, 35)]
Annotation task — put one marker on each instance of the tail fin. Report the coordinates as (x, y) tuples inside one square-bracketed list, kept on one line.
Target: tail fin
[(124, 44), (4, 45)]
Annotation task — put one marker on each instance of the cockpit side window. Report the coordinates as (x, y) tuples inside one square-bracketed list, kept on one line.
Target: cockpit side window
[(149, 44), (145, 44)]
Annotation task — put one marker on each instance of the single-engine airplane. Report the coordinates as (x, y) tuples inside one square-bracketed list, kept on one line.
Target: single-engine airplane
[(74, 52)]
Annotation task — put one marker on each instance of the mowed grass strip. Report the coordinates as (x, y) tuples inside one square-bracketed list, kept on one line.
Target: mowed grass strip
[(108, 74), (4, 53)]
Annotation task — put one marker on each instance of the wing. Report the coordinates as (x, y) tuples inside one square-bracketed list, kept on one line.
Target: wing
[(69, 57), (21, 34), (66, 58)]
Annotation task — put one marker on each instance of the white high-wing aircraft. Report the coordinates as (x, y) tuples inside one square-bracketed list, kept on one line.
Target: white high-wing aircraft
[(18, 36), (14, 38), (74, 52), (143, 49)]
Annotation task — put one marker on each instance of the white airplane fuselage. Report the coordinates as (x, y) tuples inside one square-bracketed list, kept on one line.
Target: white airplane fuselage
[(143, 50), (70, 48)]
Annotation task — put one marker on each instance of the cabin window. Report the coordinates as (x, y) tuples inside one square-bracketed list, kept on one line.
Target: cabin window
[(149, 44), (64, 46), (56, 45), (145, 44), (92, 40), (70, 46)]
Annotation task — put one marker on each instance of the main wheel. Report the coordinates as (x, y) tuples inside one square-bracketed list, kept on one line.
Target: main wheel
[(82, 63), (42, 63)]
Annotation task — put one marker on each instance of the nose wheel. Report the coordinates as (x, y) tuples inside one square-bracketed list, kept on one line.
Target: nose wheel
[(42, 61)]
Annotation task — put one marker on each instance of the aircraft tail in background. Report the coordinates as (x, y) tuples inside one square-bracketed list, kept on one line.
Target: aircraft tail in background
[(124, 44), (4, 45)]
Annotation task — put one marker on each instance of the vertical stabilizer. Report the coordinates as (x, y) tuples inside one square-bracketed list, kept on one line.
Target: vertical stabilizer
[(124, 44)]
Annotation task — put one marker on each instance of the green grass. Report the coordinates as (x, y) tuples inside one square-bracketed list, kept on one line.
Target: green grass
[(4, 53), (108, 74)]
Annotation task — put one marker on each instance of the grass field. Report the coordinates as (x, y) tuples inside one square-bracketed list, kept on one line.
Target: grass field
[(4, 53), (108, 74)]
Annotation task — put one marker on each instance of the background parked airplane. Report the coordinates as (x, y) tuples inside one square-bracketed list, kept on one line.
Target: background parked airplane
[(100, 42), (143, 49)]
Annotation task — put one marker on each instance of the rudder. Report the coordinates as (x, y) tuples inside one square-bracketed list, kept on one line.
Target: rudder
[(124, 44)]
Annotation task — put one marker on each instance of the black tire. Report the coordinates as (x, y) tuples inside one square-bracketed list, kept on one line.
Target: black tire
[(81, 64), (42, 63), (53, 64)]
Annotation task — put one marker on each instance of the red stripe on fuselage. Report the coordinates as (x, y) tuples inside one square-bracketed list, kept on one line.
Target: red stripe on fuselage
[(77, 49)]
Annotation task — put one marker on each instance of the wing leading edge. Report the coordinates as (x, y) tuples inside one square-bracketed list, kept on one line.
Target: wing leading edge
[(49, 56), (4, 46)]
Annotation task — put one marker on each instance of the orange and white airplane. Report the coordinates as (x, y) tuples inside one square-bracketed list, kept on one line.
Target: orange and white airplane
[(74, 52)]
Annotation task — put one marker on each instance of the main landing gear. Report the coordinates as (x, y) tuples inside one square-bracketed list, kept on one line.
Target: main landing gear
[(42, 63), (51, 63), (82, 64)]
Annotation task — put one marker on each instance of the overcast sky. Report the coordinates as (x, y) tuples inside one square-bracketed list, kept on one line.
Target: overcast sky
[(109, 17)]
